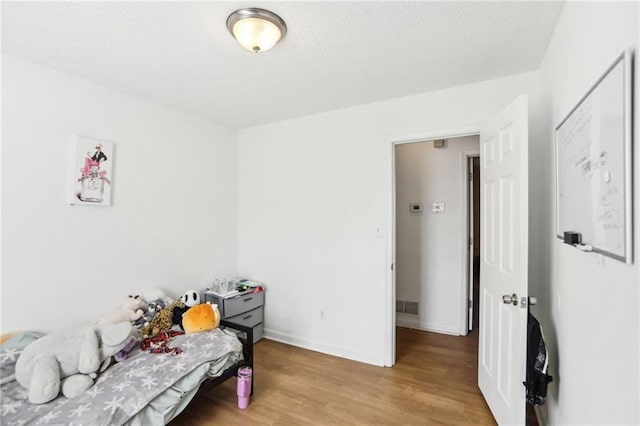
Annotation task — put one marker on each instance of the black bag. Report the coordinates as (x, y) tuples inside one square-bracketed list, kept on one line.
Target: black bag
[(537, 363)]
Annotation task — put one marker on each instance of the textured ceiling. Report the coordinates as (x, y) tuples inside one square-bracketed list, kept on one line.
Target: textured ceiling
[(335, 54)]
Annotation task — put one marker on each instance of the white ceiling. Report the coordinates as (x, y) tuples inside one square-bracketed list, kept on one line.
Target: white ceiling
[(335, 54)]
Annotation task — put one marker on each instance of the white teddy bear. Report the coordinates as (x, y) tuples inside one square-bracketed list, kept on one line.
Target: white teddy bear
[(130, 311), (75, 356)]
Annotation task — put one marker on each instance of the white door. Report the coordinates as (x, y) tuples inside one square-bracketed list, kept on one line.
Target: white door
[(503, 272)]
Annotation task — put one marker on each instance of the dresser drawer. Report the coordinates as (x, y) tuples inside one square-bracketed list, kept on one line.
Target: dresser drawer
[(250, 319), (240, 304)]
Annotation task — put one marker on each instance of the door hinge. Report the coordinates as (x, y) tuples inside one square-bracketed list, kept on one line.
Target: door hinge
[(470, 304), (392, 266)]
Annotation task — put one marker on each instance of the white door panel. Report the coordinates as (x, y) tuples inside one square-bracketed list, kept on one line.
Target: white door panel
[(504, 204)]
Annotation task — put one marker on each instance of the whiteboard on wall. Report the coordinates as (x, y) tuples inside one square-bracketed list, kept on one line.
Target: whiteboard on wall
[(593, 165)]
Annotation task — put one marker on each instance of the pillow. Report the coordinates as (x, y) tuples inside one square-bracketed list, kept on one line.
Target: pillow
[(10, 349), (18, 340)]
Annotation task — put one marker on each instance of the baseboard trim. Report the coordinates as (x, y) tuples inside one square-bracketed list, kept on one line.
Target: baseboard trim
[(321, 347), (416, 324)]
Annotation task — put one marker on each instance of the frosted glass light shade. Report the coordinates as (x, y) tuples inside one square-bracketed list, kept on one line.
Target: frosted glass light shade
[(256, 34), (255, 29)]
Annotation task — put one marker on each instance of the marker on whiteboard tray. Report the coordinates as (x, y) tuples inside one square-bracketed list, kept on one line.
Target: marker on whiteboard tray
[(572, 237), (575, 239)]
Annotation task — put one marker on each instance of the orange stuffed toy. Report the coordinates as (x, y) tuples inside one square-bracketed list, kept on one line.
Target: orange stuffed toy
[(202, 317)]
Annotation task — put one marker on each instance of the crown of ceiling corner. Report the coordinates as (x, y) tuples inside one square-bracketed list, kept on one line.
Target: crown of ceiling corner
[(256, 29)]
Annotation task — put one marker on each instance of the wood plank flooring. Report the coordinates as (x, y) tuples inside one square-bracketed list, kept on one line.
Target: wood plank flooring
[(433, 383)]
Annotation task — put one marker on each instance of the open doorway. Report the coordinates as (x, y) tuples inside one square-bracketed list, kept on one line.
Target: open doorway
[(503, 258), (432, 220)]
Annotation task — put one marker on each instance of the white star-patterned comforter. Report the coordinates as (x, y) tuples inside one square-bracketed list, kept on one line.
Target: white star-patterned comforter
[(124, 389)]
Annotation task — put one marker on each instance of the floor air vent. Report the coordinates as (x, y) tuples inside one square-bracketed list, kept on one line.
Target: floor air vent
[(405, 307)]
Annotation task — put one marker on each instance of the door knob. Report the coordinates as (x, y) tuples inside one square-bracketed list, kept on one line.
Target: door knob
[(513, 299)]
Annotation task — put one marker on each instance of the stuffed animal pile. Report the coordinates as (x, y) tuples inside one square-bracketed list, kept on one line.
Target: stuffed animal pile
[(150, 311), (163, 320), (69, 361), (158, 315)]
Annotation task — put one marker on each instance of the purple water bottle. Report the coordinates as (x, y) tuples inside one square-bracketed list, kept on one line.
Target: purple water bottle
[(244, 386)]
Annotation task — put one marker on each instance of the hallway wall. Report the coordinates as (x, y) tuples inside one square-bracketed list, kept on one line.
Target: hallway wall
[(430, 247)]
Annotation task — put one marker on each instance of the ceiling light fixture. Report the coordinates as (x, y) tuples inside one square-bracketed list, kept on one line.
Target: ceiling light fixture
[(256, 29)]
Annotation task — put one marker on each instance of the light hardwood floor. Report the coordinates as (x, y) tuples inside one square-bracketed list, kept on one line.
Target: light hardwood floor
[(433, 383)]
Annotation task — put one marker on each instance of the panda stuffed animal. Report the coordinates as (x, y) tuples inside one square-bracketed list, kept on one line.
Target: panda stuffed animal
[(190, 299)]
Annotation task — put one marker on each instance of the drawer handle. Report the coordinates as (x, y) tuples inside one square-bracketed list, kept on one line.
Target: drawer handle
[(247, 317), (248, 298)]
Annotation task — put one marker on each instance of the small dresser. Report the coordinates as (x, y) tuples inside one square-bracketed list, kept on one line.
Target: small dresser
[(246, 309)]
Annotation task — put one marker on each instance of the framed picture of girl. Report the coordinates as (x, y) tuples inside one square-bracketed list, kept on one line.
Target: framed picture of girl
[(92, 172)]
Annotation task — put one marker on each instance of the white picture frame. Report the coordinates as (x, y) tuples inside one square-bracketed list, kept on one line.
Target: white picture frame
[(91, 174)]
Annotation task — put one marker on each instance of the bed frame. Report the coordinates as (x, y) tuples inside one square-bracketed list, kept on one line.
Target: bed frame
[(247, 349), (116, 406)]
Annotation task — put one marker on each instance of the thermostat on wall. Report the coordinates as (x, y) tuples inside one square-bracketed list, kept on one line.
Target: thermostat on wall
[(437, 208), (415, 207)]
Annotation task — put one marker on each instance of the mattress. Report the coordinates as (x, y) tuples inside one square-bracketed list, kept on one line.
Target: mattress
[(145, 389)]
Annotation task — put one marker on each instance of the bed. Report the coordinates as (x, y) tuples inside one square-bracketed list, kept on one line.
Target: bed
[(144, 389)]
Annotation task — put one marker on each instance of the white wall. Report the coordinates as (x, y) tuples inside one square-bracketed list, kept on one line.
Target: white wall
[(173, 219), (588, 305), (430, 247), (312, 192)]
